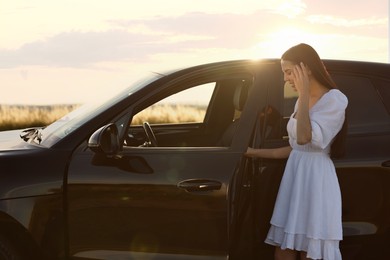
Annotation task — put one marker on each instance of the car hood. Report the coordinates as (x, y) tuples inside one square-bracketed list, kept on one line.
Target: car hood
[(10, 140)]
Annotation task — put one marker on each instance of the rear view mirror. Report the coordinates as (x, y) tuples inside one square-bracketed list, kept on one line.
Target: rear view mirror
[(105, 140)]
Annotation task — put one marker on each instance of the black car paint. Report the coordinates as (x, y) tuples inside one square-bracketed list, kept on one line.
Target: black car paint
[(66, 201)]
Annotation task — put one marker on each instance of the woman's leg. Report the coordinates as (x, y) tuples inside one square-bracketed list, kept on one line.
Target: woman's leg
[(285, 254)]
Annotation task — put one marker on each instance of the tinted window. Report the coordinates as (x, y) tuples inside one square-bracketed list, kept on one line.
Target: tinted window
[(290, 98), (366, 110), (384, 91), (275, 116)]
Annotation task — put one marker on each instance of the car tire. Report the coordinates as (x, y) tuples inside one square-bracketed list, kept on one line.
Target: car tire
[(8, 250)]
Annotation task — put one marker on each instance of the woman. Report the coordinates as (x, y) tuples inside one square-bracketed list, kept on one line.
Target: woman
[(307, 213)]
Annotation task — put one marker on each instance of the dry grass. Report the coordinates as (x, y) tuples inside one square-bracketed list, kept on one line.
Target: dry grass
[(19, 117), (161, 114)]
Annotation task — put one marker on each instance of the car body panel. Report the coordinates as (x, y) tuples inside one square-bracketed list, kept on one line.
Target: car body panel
[(142, 200)]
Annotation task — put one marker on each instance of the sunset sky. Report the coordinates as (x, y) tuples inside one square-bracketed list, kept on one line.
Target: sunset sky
[(74, 51)]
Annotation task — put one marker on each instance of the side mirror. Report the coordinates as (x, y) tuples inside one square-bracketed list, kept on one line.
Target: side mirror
[(105, 140)]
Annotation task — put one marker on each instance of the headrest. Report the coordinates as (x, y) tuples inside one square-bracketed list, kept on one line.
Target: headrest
[(240, 95)]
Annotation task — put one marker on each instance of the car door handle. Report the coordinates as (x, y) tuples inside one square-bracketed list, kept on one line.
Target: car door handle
[(386, 163), (193, 185)]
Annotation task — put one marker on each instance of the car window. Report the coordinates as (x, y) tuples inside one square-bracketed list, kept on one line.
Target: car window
[(290, 98), (64, 126), (187, 106), (199, 112), (366, 109), (383, 87), (368, 105), (276, 118)]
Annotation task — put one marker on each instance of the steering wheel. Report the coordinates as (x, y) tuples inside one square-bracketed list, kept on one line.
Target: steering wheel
[(152, 141)]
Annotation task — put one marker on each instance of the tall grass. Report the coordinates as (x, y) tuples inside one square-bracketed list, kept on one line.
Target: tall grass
[(23, 116), (170, 113)]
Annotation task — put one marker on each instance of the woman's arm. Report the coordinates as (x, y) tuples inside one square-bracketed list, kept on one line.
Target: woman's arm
[(271, 153), (301, 81)]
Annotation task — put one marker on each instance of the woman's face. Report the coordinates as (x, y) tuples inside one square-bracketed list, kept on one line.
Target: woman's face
[(287, 69)]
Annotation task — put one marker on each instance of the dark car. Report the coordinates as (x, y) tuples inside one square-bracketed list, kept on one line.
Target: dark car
[(122, 180)]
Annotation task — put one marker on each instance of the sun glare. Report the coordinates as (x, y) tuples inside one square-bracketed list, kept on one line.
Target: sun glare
[(275, 43)]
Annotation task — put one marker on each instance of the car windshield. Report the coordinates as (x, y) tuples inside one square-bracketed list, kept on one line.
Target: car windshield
[(67, 124)]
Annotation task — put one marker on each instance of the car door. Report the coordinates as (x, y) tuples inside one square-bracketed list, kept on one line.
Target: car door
[(267, 173), (170, 201)]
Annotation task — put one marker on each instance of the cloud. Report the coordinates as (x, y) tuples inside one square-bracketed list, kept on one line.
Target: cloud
[(291, 8), (349, 9), (79, 49), (139, 40), (212, 30), (344, 22)]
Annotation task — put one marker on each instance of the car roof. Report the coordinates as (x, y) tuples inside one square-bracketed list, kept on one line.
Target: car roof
[(365, 67)]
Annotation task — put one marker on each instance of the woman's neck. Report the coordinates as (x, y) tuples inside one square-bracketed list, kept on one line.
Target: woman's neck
[(317, 90)]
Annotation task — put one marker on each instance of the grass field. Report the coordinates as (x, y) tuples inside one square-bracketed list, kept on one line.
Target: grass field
[(164, 113), (22, 116)]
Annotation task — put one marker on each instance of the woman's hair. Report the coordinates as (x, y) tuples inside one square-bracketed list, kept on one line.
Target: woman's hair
[(307, 55)]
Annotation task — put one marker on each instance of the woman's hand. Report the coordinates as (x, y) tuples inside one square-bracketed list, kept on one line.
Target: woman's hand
[(301, 78), (250, 152)]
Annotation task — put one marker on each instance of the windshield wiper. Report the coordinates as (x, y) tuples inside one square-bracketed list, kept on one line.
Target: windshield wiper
[(30, 134)]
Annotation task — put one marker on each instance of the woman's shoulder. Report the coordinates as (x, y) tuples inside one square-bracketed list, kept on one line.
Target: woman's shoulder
[(332, 100), (335, 95)]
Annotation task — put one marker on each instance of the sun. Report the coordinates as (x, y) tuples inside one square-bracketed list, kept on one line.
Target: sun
[(275, 43)]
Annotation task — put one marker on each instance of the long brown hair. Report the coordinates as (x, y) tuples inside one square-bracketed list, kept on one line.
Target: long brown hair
[(306, 54)]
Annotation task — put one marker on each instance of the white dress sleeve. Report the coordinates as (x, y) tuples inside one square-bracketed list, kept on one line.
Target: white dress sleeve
[(327, 118)]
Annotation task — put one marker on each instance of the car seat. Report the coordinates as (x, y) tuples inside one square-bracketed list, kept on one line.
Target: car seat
[(239, 99)]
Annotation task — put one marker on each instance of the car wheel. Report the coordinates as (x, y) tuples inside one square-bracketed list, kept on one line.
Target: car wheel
[(8, 251)]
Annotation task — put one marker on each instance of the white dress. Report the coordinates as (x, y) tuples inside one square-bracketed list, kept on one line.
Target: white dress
[(307, 213)]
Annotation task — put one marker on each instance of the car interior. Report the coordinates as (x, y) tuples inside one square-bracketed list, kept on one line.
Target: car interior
[(215, 127)]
